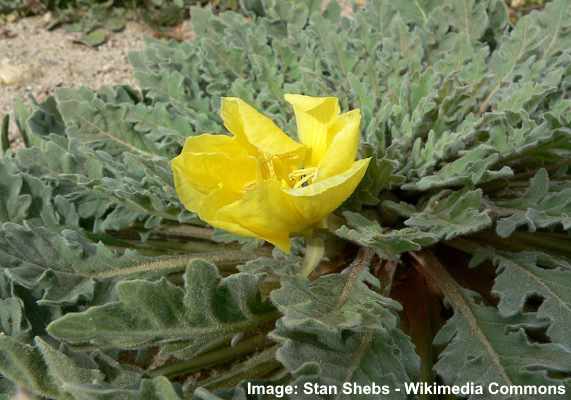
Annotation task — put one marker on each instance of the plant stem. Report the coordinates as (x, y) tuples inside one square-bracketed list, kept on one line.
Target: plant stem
[(187, 246), (261, 364), (314, 251), (521, 241), (164, 246), (463, 245), (185, 231), (362, 261), (548, 241), (223, 355), (223, 259)]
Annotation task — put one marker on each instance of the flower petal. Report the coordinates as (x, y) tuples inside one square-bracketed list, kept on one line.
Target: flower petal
[(313, 116), (267, 211), (208, 162), (255, 130), (342, 150), (314, 202), (214, 143), (208, 206)]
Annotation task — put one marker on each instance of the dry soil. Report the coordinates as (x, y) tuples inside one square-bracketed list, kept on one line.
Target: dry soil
[(35, 61)]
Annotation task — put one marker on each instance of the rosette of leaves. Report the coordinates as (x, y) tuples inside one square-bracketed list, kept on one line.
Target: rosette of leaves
[(449, 264)]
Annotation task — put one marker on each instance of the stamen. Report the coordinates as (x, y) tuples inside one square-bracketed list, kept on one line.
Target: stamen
[(267, 168), (303, 177), (273, 167)]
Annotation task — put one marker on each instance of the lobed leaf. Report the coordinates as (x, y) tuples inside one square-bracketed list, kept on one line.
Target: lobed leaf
[(482, 347), (102, 124), (349, 332), (67, 268), (448, 215), (46, 371), (542, 206), (522, 276), (388, 244), (209, 310)]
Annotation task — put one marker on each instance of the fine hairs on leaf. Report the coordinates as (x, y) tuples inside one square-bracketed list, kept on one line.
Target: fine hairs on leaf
[(526, 274), (46, 371), (477, 336), (185, 322), (347, 329)]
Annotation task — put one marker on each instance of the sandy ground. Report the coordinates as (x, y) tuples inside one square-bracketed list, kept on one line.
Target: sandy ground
[(36, 61)]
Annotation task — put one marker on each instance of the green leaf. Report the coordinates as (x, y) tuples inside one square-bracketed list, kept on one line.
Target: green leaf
[(14, 204), (209, 310), (164, 127), (450, 97), (380, 177), (530, 51), (69, 184), (60, 162), (137, 190), (526, 274), (62, 265), (13, 320), (335, 302), (94, 38), (23, 365), (474, 167), (68, 268), (448, 215), (351, 332), (478, 339), (273, 266), (388, 244), (55, 184), (49, 372), (21, 114), (543, 205), (45, 119), (4, 132), (482, 347), (102, 124)]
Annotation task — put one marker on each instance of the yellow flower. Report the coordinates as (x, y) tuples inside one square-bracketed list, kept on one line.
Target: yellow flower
[(261, 183)]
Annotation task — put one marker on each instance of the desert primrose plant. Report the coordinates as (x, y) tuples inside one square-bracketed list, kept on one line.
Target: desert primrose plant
[(449, 263), (261, 183)]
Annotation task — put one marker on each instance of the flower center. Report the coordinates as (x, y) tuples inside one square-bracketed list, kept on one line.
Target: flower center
[(303, 177), (285, 168)]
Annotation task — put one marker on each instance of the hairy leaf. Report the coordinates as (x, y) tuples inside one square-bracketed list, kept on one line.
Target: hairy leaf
[(13, 321), (449, 215), (209, 310), (483, 347), (102, 124), (13, 203), (457, 103), (46, 371), (350, 331), (388, 244), (68, 268), (524, 275), (542, 206)]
